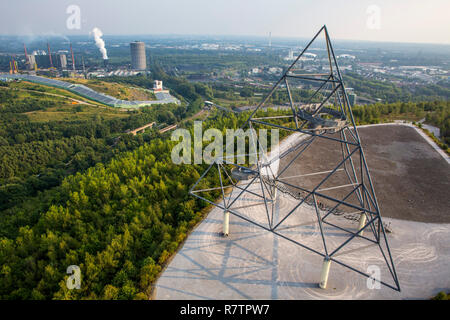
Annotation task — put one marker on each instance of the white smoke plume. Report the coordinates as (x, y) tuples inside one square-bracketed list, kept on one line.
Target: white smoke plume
[(99, 42)]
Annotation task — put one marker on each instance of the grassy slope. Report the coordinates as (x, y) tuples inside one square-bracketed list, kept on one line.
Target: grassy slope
[(48, 89), (116, 90), (70, 113), (65, 109)]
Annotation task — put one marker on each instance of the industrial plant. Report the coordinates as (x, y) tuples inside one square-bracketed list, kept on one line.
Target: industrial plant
[(69, 63)]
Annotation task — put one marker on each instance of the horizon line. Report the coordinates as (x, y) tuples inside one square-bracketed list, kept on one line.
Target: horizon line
[(55, 35)]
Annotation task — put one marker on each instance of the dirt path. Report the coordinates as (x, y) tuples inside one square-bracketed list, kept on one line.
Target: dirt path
[(195, 116), (148, 125), (168, 128)]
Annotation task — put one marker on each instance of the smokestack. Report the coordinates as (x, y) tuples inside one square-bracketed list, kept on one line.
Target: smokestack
[(27, 61), (99, 42), (84, 68), (73, 58), (50, 55), (26, 54)]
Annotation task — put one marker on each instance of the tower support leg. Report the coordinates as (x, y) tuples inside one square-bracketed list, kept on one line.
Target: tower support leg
[(362, 223), (325, 271), (226, 223)]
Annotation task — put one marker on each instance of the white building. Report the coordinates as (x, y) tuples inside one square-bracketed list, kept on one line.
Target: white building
[(157, 85), (275, 70), (290, 56)]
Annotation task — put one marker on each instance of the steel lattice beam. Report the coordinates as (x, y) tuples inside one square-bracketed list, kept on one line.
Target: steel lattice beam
[(350, 148)]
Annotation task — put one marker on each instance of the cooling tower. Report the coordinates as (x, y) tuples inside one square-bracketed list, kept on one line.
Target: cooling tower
[(138, 59)]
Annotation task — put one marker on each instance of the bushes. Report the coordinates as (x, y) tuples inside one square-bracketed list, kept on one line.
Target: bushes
[(442, 145), (436, 113), (442, 296)]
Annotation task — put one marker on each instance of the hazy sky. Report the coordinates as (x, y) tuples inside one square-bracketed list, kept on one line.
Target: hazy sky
[(377, 20)]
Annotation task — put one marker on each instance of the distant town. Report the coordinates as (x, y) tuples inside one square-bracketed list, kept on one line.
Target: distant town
[(232, 62)]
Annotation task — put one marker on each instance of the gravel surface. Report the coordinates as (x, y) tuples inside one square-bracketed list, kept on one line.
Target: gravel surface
[(411, 180)]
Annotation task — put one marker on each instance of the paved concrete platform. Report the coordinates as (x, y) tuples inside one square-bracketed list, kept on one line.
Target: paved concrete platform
[(254, 264)]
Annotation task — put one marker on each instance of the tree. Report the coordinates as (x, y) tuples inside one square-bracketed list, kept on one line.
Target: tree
[(246, 92)]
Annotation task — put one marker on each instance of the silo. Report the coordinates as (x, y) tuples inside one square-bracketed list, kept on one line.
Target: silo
[(138, 59)]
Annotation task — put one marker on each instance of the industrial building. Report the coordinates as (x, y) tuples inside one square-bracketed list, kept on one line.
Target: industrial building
[(42, 60), (138, 57), (30, 61), (57, 60), (60, 61)]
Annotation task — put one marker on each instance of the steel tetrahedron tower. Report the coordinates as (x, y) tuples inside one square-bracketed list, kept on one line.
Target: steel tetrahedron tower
[(340, 199)]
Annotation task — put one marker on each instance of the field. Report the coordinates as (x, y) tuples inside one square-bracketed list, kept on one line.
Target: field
[(69, 112), (47, 90)]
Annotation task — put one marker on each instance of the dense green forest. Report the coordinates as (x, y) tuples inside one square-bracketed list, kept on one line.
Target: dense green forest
[(119, 222), (36, 160), (35, 156)]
